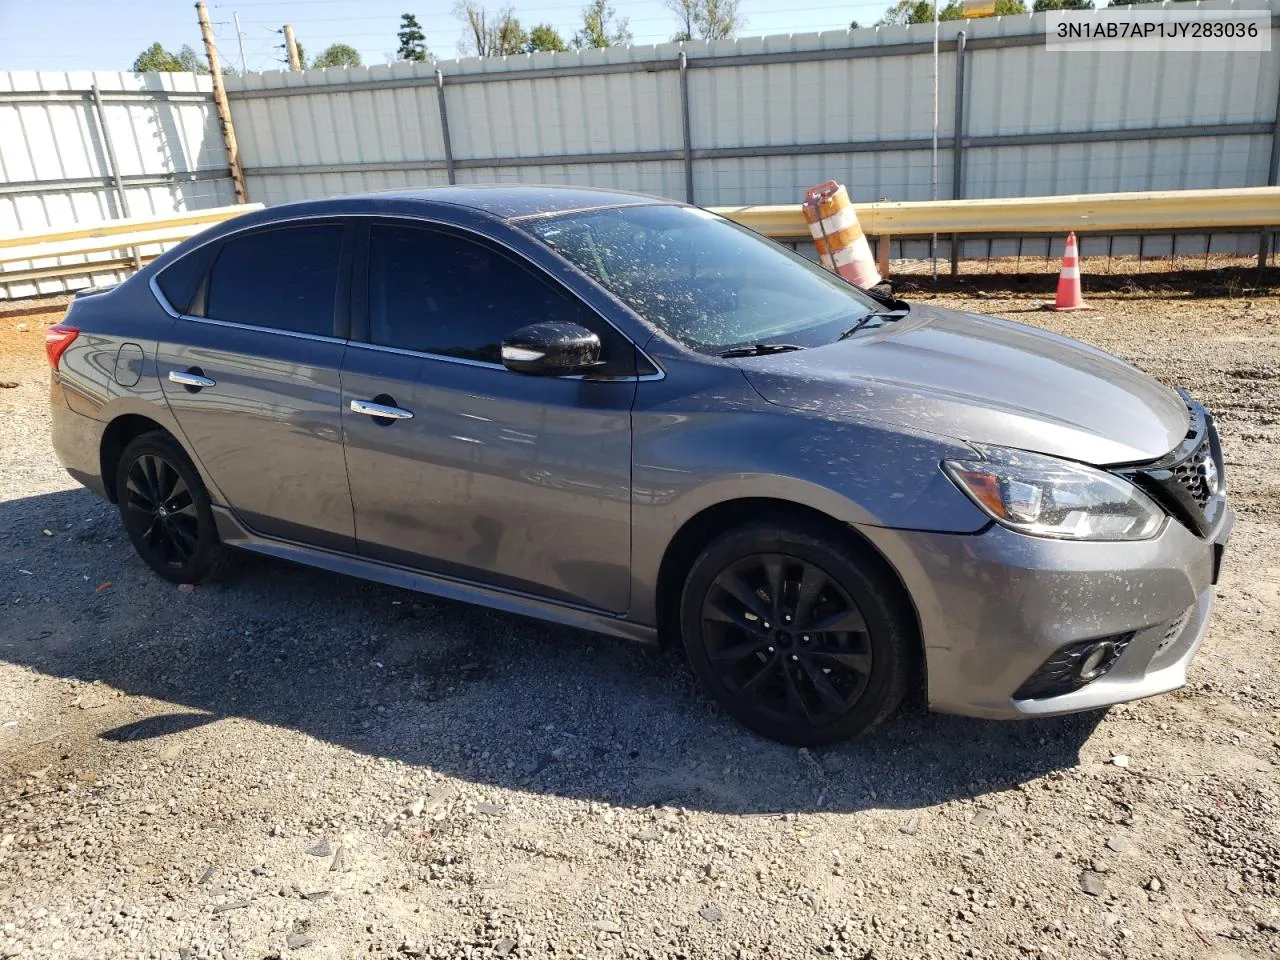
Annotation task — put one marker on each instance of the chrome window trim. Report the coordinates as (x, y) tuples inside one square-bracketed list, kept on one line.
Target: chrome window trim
[(490, 365), (254, 328), (423, 355), (426, 220)]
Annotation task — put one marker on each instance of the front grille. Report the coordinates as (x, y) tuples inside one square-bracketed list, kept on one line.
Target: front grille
[(1193, 473), (1188, 481), (1061, 672)]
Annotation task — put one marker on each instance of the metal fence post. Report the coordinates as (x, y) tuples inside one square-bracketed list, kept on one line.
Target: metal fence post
[(113, 166), (1264, 239), (684, 123), (444, 128), (957, 148)]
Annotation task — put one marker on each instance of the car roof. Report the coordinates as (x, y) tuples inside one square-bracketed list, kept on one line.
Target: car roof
[(511, 201)]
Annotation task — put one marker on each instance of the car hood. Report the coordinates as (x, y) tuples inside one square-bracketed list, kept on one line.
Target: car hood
[(982, 380)]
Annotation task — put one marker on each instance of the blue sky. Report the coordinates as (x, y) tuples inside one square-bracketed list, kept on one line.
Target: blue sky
[(109, 34)]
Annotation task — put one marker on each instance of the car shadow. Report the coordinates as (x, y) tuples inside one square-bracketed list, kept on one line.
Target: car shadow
[(486, 697)]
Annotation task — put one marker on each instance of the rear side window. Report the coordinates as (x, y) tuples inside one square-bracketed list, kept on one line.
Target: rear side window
[(436, 292), (286, 278), (181, 279)]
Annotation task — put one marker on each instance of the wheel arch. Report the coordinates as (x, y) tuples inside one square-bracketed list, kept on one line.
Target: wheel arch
[(119, 433), (699, 530)]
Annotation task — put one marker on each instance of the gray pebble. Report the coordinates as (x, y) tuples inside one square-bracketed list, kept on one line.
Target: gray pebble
[(1092, 883)]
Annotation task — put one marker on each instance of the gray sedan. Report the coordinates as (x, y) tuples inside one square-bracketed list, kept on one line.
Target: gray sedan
[(633, 416)]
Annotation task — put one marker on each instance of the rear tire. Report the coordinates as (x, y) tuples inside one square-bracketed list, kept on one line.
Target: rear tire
[(167, 512), (796, 634)]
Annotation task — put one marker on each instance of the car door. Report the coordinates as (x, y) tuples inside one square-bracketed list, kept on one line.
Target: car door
[(251, 373), (516, 481)]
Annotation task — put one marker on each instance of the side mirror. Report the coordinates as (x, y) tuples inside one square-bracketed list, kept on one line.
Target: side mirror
[(550, 349)]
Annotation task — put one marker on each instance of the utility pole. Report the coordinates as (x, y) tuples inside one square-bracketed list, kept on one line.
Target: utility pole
[(933, 190), (244, 64), (221, 105), (291, 45)]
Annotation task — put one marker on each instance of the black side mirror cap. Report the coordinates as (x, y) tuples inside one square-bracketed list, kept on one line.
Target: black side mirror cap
[(551, 349)]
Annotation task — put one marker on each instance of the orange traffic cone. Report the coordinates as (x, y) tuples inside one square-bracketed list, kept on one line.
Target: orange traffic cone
[(1069, 295)]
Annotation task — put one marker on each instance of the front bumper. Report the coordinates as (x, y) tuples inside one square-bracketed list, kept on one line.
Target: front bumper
[(994, 606)]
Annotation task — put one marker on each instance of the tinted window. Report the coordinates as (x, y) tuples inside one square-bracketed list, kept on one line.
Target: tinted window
[(285, 278), (438, 293), (180, 280)]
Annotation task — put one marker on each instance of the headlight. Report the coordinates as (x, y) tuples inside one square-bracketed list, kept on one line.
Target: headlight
[(1047, 497)]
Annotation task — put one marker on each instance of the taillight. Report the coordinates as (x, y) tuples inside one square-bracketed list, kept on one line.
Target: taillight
[(56, 340)]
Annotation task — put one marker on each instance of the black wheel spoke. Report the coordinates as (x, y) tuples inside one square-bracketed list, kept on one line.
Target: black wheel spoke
[(857, 662), (179, 498), (812, 580), (140, 493), (767, 669), (152, 473), (729, 656), (733, 584), (773, 573), (183, 539), (848, 620), (822, 684), (795, 698), (716, 610)]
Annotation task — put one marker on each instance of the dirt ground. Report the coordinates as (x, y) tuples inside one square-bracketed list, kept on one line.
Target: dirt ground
[(293, 764)]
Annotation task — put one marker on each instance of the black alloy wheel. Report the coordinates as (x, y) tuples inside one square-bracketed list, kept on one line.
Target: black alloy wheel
[(162, 508), (167, 511), (796, 632), (788, 640)]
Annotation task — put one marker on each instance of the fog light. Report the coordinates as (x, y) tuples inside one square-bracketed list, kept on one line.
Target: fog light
[(1074, 666), (1097, 660)]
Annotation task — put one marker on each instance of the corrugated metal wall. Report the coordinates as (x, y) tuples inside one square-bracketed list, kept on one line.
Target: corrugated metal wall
[(54, 165), (771, 116)]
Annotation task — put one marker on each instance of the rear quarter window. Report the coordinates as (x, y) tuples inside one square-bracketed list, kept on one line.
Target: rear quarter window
[(284, 278), (180, 281)]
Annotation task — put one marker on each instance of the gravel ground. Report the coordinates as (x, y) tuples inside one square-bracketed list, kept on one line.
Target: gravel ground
[(293, 764)]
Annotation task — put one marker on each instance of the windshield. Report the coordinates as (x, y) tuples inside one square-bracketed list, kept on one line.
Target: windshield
[(704, 280)]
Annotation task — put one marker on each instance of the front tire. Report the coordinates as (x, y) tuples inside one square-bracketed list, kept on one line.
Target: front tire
[(167, 512), (795, 633)]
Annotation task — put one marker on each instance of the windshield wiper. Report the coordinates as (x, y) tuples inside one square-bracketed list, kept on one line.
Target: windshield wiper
[(761, 349), (882, 315)]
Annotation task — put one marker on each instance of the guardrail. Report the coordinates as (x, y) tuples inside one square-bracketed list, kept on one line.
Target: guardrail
[(1161, 211), (130, 233)]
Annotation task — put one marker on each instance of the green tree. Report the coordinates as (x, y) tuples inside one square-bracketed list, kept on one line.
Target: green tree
[(302, 54), (489, 35), (705, 19), (413, 42), (1041, 5), (601, 27), (853, 25), (544, 38), (338, 55), (921, 11), (156, 59)]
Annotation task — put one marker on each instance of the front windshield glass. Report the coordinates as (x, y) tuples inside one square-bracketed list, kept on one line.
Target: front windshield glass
[(704, 280)]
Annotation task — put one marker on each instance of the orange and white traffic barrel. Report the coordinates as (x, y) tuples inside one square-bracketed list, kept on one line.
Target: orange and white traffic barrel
[(842, 246)]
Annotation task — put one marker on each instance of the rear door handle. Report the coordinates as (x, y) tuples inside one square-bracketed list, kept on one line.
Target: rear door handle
[(380, 411), (191, 378)]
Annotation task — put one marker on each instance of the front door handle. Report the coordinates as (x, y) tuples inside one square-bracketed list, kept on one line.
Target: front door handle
[(380, 411), (194, 379)]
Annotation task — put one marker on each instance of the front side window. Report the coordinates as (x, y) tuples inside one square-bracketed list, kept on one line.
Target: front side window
[(704, 280), (433, 291), (284, 278)]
